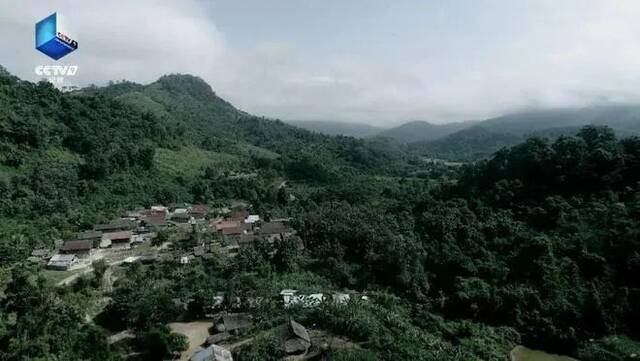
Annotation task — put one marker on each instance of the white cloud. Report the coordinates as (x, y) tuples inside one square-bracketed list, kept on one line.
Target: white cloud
[(571, 53), (135, 40)]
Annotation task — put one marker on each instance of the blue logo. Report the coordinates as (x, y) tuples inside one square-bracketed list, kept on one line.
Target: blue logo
[(51, 41)]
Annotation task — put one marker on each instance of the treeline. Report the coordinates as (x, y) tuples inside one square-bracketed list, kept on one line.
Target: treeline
[(544, 237)]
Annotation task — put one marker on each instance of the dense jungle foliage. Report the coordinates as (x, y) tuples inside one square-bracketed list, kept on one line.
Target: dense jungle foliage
[(538, 245)]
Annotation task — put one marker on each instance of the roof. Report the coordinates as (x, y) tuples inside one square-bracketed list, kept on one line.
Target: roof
[(155, 219), (236, 321), (118, 236), (232, 231), (173, 206), (89, 235), (200, 209), (273, 228), (213, 353), (226, 224), (252, 218), (77, 245), (184, 215), (239, 215), (62, 258)]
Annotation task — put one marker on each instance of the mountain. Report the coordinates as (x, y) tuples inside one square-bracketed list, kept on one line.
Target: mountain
[(625, 118), (357, 130), (421, 131), (85, 154), (487, 136)]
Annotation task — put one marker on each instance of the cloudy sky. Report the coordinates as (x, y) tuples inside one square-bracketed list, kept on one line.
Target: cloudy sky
[(377, 62)]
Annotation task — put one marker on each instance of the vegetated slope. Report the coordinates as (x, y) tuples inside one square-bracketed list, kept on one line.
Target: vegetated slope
[(213, 124), (421, 131), (490, 135), (68, 159), (358, 130)]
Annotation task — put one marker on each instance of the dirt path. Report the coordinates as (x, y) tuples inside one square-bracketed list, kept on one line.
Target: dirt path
[(67, 281), (196, 332), (107, 274)]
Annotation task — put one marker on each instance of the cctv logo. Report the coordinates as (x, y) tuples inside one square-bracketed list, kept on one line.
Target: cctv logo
[(53, 41)]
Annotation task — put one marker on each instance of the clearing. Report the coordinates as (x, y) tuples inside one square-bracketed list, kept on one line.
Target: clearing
[(196, 332), (521, 353)]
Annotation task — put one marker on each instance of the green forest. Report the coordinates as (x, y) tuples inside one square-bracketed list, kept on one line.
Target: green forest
[(535, 245)]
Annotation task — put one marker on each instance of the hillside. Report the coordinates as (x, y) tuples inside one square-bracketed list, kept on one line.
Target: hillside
[(74, 158), (357, 130), (536, 246), (421, 131)]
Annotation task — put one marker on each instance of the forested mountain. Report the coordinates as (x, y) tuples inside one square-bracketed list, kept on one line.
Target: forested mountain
[(537, 245), (421, 131), (66, 154), (486, 137), (358, 130)]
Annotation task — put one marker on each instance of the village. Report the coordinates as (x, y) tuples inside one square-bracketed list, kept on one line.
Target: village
[(140, 235), (132, 237)]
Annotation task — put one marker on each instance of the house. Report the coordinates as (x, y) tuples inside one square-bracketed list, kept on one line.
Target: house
[(43, 254), (159, 209), (294, 338), (252, 218), (62, 261), (178, 207), (199, 211), (212, 353), (182, 217), (275, 231), (119, 240), (134, 214), (287, 296), (116, 225), (154, 222), (94, 236), (234, 323), (232, 231), (291, 298), (81, 248), (220, 226), (239, 216)]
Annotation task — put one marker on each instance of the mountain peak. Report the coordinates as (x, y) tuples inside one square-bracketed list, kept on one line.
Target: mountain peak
[(186, 84)]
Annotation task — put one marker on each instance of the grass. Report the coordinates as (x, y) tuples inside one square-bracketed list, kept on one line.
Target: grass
[(521, 353), (54, 276), (143, 102), (258, 152), (191, 161)]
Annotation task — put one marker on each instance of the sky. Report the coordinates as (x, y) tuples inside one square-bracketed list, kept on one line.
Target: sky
[(375, 62)]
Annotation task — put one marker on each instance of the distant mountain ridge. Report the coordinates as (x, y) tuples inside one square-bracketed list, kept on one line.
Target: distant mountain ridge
[(416, 131), (486, 137), (357, 130)]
